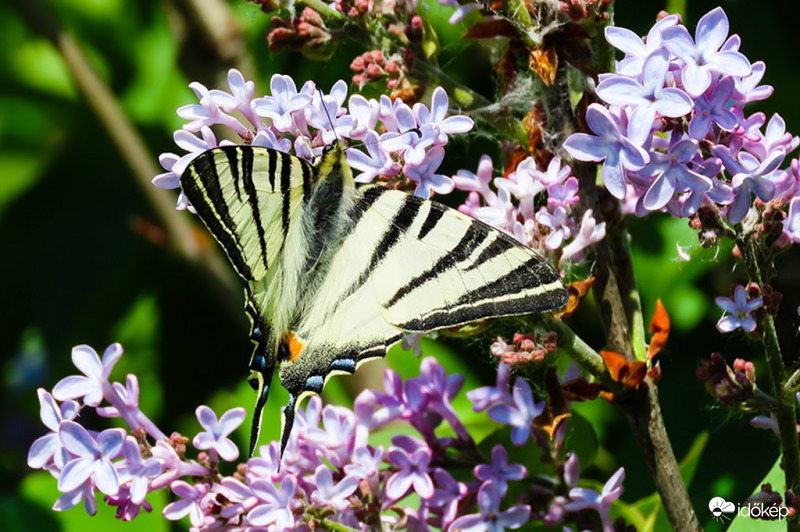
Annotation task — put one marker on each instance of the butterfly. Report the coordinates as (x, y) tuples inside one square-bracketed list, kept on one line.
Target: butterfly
[(334, 274)]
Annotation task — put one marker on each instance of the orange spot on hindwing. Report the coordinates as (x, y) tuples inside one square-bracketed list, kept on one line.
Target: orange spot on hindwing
[(294, 344)]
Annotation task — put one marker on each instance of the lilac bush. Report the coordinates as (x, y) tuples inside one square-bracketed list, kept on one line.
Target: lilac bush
[(330, 476)]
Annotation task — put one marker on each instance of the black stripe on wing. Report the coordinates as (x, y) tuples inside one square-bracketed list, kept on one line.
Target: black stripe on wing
[(252, 198), (209, 202), (473, 237)]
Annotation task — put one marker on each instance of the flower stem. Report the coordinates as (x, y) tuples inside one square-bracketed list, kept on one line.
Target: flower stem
[(785, 410)]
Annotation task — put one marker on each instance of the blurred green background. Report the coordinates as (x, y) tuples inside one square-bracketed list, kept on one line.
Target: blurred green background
[(85, 258)]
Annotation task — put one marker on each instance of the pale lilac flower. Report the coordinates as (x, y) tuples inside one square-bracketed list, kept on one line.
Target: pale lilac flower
[(377, 163), (500, 215), (328, 494), (125, 404), (94, 381), (84, 492), (93, 458), (558, 223), (702, 56), (127, 510), (285, 101), (412, 147), (712, 109), (791, 225), (137, 471), (366, 465), (748, 88), (447, 495), (275, 506), (608, 144), (738, 310), (267, 139), (766, 422), (479, 181), (412, 472), (750, 175), (424, 173), (500, 471), (584, 498), (483, 398), (327, 114), (411, 342), (365, 115), (207, 113), (191, 504), (648, 97), (47, 450), (336, 441), (436, 117), (637, 50), (490, 518), (563, 194), (520, 414), (239, 98), (590, 233), (670, 171), (775, 139), (215, 437), (524, 186)]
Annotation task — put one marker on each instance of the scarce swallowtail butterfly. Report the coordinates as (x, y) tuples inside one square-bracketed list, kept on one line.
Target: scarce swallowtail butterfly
[(335, 275)]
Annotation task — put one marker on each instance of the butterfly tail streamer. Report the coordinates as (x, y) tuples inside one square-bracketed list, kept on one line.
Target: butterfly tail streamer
[(288, 422), (261, 401)]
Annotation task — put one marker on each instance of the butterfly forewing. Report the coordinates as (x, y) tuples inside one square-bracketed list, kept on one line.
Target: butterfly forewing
[(248, 197)]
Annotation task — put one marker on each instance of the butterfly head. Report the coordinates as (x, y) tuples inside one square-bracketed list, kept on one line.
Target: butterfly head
[(333, 162)]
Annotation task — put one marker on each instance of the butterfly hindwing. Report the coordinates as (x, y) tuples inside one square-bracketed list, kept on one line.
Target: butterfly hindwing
[(248, 197)]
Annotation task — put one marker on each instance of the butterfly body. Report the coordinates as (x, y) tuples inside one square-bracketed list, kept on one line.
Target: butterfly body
[(335, 275)]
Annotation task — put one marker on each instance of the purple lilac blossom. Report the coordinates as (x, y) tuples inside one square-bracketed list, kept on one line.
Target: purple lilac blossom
[(490, 518), (584, 498), (609, 145), (737, 311), (702, 56), (303, 120), (215, 437), (520, 414)]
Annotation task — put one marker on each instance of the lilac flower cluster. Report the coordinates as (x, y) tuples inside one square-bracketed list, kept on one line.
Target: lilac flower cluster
[(675, 136), (411, 140), (511, 206), (329, 474)]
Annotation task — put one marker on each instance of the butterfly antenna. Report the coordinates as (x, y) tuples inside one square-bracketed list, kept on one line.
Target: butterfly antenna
[(330, 120), (412, 130)]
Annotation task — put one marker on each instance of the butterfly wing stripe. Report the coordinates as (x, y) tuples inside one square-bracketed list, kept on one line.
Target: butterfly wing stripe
[(474, 236), (252, 199), (233, 163), (272, 165), (401, 221), (434, 215), (497, 247), (210, 204), (369, 197), (308, 180), (286, 174)]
